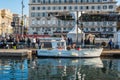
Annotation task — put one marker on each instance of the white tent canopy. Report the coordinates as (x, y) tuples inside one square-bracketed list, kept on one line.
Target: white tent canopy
[(74, 33)]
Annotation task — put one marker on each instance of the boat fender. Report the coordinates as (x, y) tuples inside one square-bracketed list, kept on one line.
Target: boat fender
[(68, 48), (78, 48)]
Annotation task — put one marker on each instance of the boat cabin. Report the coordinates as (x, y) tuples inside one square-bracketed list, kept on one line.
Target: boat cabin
[(53, 43)]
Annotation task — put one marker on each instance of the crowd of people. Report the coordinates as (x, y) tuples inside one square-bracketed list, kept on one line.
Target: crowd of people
[(19, 42)]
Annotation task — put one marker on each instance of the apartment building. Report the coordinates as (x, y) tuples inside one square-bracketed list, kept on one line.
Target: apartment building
[(5, 22), (43, 16)]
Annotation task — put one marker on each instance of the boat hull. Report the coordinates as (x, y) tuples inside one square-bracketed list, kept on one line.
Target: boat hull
[(83, 53)]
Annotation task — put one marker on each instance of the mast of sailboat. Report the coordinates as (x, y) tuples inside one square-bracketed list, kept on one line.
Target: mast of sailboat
[(77, 28), (81, 25)]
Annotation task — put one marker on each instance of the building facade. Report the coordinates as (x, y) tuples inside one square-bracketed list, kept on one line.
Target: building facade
[(42, 22), (16, 24), (5, 22)]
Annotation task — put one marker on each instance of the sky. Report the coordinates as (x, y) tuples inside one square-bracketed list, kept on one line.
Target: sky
[(15, 6)]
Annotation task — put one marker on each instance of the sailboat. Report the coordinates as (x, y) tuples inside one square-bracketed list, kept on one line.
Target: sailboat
[(57, 48)]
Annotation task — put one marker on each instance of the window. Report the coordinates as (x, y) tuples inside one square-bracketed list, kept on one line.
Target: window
[(92, 29), (76, 7), (33, 1), (33, 8), (65, 1), (99, 7), (54, 21), (43, 8), (38, 8), (99, 0), (59, 7), (104, 0), (43, 14), (70, 7), (81, 7), (49, 1), (93, 7), (105, 7), (65, 7), (32, 14), (87, 1), (59, 1), (54, 8), (76, 1), (38, 14), (43, 22), (87, 7), (98, 29), (71, 1), (110, 6), (32, 28), (33, 22), (38, 1), (49, 22), (49, 8)]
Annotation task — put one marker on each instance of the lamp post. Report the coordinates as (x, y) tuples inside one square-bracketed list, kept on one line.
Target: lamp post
[(22, 22)]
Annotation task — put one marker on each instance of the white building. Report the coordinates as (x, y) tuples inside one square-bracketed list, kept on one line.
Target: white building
[(41, 22)]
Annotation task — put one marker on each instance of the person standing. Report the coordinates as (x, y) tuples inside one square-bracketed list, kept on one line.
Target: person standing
[(110, 44), (28, 42), (33, 42)]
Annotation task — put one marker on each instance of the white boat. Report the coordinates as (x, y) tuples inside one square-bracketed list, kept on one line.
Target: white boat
[(57, 48)]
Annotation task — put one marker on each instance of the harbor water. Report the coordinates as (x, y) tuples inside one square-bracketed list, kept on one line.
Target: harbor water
[(59, 69)]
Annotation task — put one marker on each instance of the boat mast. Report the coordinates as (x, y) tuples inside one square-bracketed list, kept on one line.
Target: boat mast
[(81, 27), (77, 28)]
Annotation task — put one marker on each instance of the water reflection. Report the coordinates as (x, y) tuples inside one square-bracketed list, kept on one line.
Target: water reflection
[(59, 69), (64, 69), (13, 69)]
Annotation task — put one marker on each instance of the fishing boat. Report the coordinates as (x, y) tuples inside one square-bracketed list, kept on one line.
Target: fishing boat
[(57, 48)]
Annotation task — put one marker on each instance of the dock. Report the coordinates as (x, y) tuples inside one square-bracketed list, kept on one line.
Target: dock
[(15, 53), (115, 53)]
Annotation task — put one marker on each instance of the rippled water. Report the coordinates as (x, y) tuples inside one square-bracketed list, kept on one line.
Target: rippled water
[(59, 69)]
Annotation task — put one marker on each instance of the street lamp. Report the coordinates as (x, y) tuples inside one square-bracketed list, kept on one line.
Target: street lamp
[(22, 22)]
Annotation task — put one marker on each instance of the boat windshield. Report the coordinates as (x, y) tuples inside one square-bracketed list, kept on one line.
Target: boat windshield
[(53, 43)]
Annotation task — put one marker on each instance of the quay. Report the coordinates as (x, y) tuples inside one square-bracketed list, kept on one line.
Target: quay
[(16, 53), (115, 53)]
